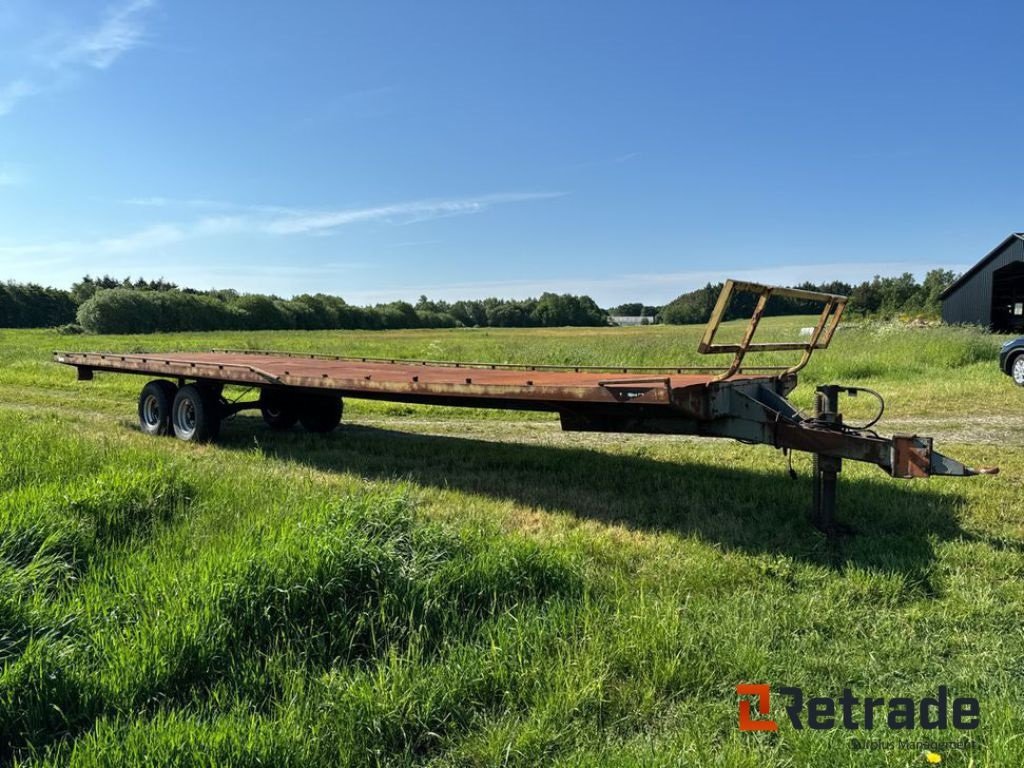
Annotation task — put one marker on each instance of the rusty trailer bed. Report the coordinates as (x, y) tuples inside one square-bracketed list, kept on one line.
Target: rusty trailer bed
[(461, 384)]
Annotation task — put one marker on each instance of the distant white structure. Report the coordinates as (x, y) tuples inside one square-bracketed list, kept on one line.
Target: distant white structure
[(630, 319)]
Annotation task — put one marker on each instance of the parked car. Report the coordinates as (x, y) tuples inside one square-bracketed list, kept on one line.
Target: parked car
[(1011, 360)]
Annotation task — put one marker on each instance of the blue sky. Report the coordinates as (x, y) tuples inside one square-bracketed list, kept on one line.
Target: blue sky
[(380, 150)]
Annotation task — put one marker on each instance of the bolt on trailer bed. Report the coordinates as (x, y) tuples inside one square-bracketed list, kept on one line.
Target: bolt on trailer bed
[(736, 401)]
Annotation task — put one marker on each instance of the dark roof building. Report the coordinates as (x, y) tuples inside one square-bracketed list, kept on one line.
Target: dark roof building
[(991, 293)]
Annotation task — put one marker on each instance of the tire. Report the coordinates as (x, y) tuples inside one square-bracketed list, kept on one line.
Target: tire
[(320, 413), (155, 403), (195, 414), (278, 409), (1016, 369)]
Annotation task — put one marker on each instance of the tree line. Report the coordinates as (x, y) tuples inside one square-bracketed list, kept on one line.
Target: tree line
[(883, 297), (33, 306), (108, 305)]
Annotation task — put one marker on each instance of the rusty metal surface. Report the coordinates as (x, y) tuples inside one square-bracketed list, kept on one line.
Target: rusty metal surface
[(545, 389), (625, 369), (911, 456)]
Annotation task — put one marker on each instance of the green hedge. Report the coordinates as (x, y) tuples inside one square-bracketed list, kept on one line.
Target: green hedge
[(133, 310)]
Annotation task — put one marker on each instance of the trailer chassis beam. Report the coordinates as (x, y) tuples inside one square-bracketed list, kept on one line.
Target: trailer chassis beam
[(757, 411)]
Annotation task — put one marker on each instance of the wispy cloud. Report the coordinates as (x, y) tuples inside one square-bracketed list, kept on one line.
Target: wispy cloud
[(266, 220), (121, 29), (13, 93), (398, 213), (283, 220), (202, 203), (66, 250), (148, 238), (10, 177)]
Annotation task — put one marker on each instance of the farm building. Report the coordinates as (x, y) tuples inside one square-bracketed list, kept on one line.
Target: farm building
[(630, 320), (991, 293)]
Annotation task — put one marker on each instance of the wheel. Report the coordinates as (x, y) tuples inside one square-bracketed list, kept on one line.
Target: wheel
[(278, 409), (195, 414), (320, 413), (155, 402), (1017, 369)]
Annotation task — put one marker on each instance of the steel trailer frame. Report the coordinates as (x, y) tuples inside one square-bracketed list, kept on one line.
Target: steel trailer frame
[(747, 403)]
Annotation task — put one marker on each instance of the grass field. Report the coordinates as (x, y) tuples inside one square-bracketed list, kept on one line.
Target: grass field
[(444, 587)]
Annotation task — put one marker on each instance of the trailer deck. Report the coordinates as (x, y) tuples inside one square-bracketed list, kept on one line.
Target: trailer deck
[(743, 403), (542, 388)]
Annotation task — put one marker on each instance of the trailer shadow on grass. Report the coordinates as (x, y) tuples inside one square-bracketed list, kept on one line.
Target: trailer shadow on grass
[(754, 511)]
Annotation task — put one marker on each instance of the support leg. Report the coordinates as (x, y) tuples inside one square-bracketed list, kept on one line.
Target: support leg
[(826, 476), (826, 468)]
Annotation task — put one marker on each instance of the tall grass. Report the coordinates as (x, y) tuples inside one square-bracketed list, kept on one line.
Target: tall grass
[(107, 611)]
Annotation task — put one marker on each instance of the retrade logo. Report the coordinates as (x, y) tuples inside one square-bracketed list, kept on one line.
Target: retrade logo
[(762, 694), (822, 713)]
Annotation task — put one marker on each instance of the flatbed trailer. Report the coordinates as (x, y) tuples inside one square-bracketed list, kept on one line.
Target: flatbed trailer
[(186, 398)]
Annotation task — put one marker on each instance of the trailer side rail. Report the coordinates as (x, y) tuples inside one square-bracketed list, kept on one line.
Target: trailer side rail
[(503, 366), (833, 306)]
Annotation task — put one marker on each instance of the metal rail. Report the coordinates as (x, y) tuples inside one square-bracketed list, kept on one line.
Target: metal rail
[(62, 357), (821, 336)]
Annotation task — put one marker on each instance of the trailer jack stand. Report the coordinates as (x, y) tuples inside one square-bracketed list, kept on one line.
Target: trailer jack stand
[(825, 473), (825, 477)]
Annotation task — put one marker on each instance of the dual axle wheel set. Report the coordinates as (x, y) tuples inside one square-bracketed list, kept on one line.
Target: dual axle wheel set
[(194, 412)]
